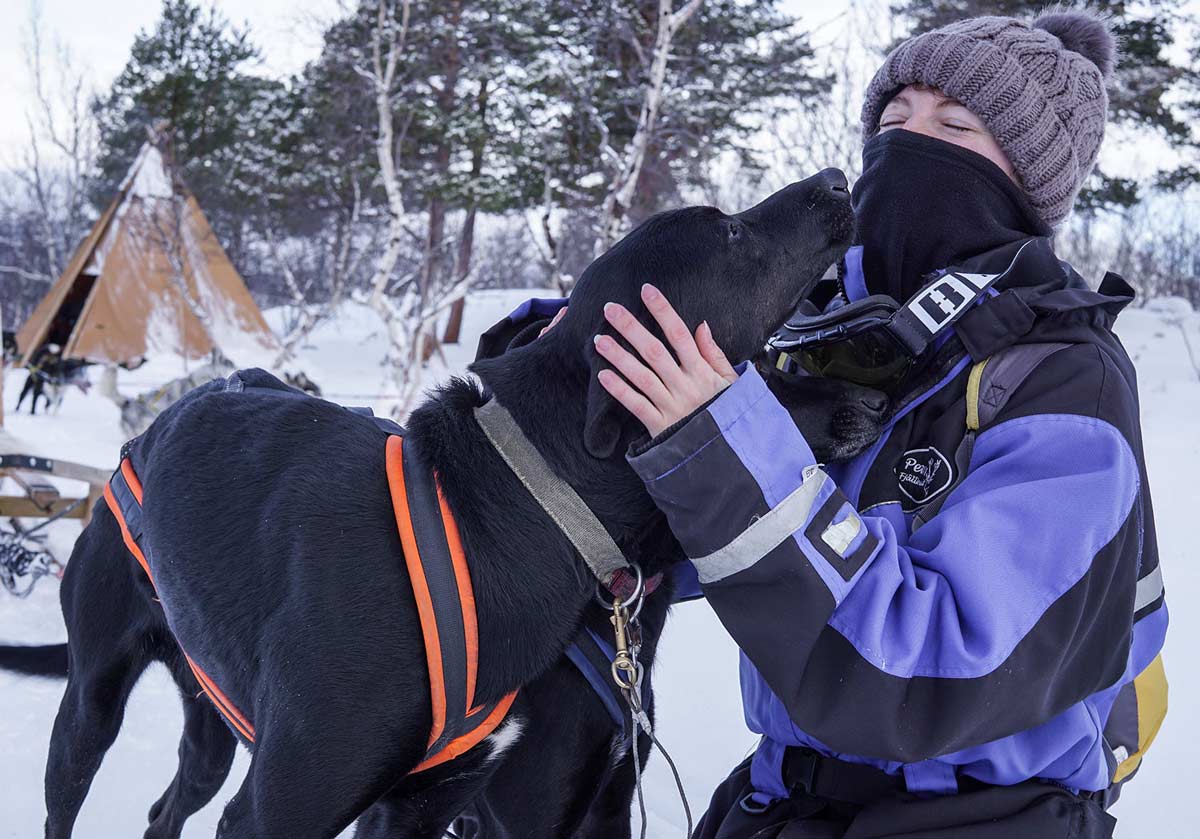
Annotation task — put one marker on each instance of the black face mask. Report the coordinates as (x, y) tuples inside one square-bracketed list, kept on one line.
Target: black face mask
[(922, 204)]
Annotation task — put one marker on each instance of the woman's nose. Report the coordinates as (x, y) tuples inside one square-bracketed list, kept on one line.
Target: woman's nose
[(921, 124)]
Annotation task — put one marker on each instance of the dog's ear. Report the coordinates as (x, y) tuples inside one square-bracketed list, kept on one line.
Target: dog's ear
[(605, 423)]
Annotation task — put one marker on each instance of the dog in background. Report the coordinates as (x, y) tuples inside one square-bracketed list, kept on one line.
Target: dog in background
[(137, 412)]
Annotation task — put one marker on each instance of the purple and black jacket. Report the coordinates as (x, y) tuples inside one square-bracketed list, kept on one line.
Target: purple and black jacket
[(1001, 639)]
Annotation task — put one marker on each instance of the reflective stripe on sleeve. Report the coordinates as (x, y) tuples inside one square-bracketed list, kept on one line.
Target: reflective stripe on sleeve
[(765, 534)]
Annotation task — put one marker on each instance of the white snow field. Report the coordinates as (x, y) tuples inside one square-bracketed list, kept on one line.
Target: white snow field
[(699, 716)]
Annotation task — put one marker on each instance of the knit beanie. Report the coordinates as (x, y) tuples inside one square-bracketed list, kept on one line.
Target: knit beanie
[(1038, 87)]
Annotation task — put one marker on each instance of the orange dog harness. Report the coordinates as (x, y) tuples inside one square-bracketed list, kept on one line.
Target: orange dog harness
[(441, 584)]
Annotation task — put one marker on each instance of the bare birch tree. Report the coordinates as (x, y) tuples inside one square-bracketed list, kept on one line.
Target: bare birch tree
[(61, 150), (623, 188), (407, 306), (312, 310)]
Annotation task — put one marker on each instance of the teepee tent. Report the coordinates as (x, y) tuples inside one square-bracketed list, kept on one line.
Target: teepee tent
[(149, 278)]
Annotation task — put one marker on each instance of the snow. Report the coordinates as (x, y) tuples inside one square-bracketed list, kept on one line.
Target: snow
[(149, 173), (699, 710)]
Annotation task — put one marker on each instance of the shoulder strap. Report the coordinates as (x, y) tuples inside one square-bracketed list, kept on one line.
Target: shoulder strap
[(989, 386), (593, 658), (995, 379)]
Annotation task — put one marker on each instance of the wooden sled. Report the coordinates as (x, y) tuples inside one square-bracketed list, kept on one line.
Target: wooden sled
[(40, 498), (24, 555)]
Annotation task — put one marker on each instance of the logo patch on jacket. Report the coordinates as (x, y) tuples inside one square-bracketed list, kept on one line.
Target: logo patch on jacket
[(922, 474)]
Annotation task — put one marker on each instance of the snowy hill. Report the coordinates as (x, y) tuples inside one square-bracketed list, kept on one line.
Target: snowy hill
[(699, 710)]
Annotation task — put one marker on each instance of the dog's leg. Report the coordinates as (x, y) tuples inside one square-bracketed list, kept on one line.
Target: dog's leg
[(426, 809), (25, 390), (205, 754), (609, 815), (110, 642), (313, 781), (86, 726)]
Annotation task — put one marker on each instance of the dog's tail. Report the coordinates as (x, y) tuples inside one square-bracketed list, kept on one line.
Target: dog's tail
[(49, 661)]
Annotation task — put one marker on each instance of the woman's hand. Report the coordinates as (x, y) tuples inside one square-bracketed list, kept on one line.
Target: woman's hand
[(658, 389)]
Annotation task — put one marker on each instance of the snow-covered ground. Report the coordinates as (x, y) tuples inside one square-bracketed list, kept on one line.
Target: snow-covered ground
[(700, 717)]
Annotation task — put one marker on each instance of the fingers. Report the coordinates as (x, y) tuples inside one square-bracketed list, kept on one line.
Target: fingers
[(712, 354), (677, 332), (647, 380), (631, 367), (652, 350), (554, 321), (634, 402)]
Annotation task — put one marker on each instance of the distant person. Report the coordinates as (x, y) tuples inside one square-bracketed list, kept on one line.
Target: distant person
[(957, 632), (49, 373)]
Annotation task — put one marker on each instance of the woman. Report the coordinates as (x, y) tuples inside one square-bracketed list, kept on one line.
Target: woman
[(957, 632)]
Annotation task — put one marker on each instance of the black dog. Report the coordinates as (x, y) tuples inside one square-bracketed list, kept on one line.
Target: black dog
[(11, 352), (278, 557)]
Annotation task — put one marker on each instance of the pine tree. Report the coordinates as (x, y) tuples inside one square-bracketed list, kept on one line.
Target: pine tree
[(579, 95), (190, 72)]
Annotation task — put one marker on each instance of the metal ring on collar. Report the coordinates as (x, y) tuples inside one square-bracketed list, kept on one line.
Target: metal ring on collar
[(639, 591)]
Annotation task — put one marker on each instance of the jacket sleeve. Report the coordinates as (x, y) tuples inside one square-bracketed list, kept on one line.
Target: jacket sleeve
[(518, 327), (1010, 605)]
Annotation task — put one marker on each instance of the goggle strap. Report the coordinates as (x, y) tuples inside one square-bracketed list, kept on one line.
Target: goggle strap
[(937, 306)]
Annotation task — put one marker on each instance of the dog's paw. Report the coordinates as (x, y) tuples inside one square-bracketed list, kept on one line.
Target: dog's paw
[(838, 419)]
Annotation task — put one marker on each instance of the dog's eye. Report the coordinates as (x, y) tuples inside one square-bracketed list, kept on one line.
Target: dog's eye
[(734, 230)]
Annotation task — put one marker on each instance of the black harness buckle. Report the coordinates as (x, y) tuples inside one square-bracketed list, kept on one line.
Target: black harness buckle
[(802, 766)]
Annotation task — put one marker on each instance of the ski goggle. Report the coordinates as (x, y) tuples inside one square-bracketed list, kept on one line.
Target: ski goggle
[(875, 341)]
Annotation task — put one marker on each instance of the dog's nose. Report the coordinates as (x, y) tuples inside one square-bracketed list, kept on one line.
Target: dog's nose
[(834, 180)]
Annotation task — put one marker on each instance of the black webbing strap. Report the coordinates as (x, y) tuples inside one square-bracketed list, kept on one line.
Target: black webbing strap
[(593, 659), (806, 771), (129, 508), (438, 568)]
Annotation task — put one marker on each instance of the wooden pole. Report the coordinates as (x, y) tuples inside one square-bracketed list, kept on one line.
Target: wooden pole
[(2, 371)]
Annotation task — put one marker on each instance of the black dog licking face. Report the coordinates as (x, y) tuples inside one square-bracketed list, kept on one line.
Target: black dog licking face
[(279, 560), (713, 267)]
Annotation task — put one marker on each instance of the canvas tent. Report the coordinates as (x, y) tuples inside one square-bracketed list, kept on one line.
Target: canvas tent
[(149, 278)]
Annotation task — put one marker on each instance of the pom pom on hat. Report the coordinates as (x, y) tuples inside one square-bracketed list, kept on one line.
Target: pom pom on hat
[(1083, 33)]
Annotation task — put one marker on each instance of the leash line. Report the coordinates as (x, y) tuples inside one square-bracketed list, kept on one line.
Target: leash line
[(603, 558), (637, 770), (687, 809), (627, 673), (642, 721)]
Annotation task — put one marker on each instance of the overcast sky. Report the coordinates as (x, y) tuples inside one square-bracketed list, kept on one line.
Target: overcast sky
[(288, 32), (100, 33)]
